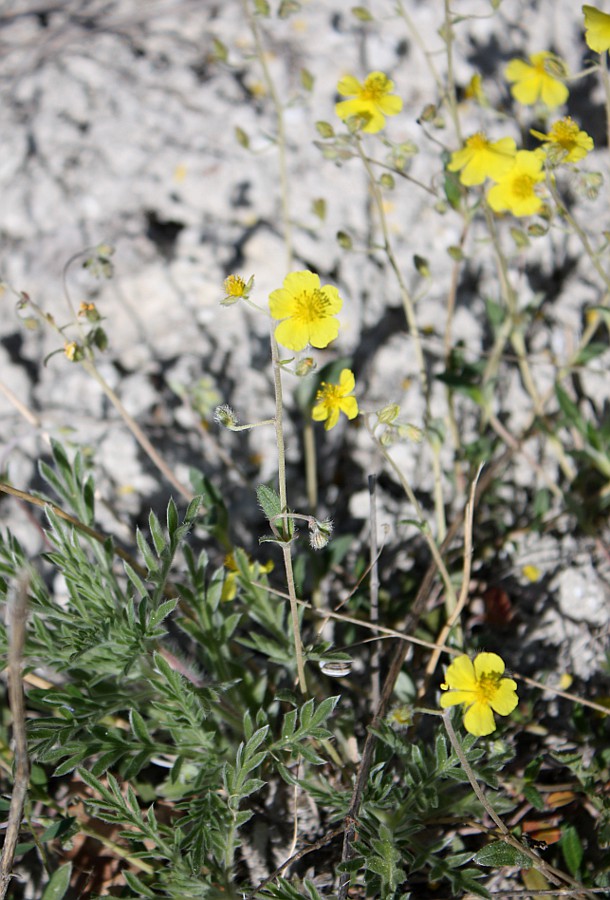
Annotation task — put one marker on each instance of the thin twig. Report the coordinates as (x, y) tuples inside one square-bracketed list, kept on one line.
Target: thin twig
[(310, 848), (374, 590), (16, 627)]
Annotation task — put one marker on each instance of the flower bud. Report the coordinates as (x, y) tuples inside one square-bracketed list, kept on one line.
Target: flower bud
[(305, 366), (319, 533), (226, 417), (388, 414)]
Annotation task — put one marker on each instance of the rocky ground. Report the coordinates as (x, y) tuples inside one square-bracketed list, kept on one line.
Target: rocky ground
[(118, 124)]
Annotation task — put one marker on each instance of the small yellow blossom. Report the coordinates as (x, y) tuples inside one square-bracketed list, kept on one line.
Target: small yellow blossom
[(255, 570), (474, 90), (372, 101), (480, 159), (333, 399), (534, 81), (515, 191), (73, 351), (565, 141), (236, 289), (480, 687), (307, 311), (531, 573), (597, 25)]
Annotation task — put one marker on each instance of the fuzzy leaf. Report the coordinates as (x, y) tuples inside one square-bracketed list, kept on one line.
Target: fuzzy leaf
[(58, 883), (501, 854)]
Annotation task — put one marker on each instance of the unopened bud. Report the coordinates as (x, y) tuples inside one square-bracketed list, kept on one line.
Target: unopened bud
[(305, 366), (226, 417), (319, 533), (388, 414)]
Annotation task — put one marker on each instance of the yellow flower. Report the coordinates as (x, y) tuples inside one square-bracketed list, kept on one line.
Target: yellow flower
[(480, 159), (481, 689), (307, 310), (255, 570), (332, 399), (236, 289), (515, 191), (565, 141), (373, 100), (73, 351), (474, 90), (535, 81), (597, 24)]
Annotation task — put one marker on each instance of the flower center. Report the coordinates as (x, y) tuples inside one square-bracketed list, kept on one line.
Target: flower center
[(311, 306), (329, 394), (564, 134), (487, 685), (523, 186), (478, 141), (374, 87)]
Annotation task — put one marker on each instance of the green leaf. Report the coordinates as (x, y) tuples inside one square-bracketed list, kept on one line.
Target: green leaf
[(138, 726), (269, 501), (135, 580), (156, 532), (572, 849), (501, 854), (172, 517), (255, 741), (147, 554), (323, 711), (136, 885), (162, 612), (59, 883), (533, 796), (287, 8), (362, 14)]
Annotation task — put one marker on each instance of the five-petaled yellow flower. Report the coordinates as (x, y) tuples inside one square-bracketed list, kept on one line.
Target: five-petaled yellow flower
[(565, 142), (333, 399), (307, 310), (515, 191), (480, 687), (597, 24), (536, 80), (479, 159), (373, 100)]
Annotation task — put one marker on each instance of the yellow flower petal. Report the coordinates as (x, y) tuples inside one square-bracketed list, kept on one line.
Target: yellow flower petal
[(597, 25), (505, 699), (487, 663), (479, 720), (348, 86), (460, 674)]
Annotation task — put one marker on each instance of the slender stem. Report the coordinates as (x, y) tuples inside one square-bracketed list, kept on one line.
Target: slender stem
[(311, 474), (451, 94), (374, 591), (450, 595), (574, 225), (17, 621), (603, 69), (281, 133), (286, 548), (407, 300)]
